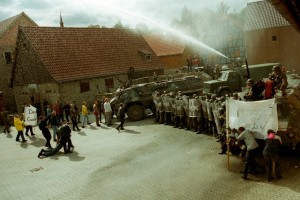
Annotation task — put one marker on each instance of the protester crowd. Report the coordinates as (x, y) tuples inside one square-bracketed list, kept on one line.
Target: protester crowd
[(58, 122)]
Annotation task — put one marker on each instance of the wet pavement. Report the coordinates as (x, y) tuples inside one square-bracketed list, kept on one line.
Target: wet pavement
[(145, 161)]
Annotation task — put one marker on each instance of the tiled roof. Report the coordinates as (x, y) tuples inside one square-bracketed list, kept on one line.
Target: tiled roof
[(6, 24), (262, 15), (164, 46), (77, 53)]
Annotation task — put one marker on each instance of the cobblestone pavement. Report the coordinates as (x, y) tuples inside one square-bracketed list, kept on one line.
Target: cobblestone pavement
[(145, 161)]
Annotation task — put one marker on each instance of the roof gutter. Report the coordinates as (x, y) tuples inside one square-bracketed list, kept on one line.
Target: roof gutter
[(287, 11)]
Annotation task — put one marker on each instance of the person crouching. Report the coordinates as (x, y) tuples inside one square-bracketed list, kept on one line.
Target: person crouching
[(64, 141)]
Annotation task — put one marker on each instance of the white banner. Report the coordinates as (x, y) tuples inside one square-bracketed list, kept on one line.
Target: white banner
[(30, 116), (258, 115)]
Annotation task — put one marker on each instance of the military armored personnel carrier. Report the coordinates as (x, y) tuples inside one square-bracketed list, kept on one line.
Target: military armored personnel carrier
[(289, 113), (138, 97)]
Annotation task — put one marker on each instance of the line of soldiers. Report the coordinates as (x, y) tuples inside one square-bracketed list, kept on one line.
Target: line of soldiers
[(199, 113)]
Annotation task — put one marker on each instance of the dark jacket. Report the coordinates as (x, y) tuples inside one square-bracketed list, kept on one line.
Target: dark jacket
[(121, 113), (64, 134), (272, 147), (54, 121), (43, 123)]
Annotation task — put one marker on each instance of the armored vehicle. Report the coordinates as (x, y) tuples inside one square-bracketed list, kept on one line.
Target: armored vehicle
[(138, 97), (233, 80), (289, 113)]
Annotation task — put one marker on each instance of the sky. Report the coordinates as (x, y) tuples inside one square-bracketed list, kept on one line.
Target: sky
[(82, 13)]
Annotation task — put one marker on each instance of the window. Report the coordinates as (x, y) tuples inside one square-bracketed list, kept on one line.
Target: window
[(146, 54), (274, 38), (84, 87), (8, 57), (109, 83)]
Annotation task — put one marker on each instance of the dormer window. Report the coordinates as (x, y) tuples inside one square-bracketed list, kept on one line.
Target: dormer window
[(146, 54)]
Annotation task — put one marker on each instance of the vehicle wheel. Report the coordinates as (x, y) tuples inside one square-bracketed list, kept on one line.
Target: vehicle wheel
[(224, 93), (135, 112)]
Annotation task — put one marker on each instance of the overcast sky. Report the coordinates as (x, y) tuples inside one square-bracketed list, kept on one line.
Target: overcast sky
[(82, 13)]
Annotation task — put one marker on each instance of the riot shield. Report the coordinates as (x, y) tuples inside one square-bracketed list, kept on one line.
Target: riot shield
[(179, 105), (209, 111), (160, 106), (185, 101), (173, 104), (218, 125), (194, 108), (204, 108), (155, 99), (167, 103)]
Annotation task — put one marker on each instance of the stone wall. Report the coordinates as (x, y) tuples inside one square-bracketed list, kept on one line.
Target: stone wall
[(8, 44), (37, 93), (70, 91)]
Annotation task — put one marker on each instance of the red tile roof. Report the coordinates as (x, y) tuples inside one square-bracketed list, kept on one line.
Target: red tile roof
[(78, 53), (262, 15), (164, 46)]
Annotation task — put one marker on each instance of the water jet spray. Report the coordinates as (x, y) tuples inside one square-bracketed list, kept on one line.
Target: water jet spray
[(177, 33)]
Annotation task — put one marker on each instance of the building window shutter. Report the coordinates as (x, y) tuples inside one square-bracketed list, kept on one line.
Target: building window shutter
[(84, 87), (109, 83), (8, 58)]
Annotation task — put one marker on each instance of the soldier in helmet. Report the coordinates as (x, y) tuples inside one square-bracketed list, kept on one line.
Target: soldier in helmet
[(222, 134), (217, 71), (161, 109), (173, 108), (185, 118), (212, 121), (180, 110), (176, 108), (209, 103), (195, 112), (249, 94), (205, 114), (167, 106), (158, 105), (279, 79)]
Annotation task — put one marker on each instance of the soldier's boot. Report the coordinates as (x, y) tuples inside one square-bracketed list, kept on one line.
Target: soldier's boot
[(187, 125), (207, 127), (176, 122), (196, 128), (181, 126), (172, 122), (161, 118), (211, 128)]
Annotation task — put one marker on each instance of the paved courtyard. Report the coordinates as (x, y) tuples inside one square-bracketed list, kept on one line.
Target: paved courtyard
[(146, 161)]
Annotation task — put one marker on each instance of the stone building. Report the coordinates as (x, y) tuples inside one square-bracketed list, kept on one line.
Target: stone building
[(270, 37), (8, 37), (66, 64)]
